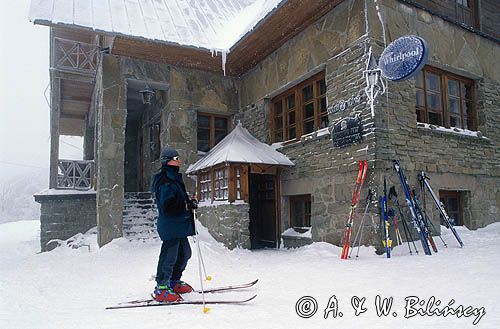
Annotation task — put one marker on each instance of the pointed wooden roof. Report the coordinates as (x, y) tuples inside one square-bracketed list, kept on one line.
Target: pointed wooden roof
[(239, 146)]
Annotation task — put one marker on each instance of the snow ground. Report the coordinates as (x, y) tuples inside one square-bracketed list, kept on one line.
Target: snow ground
[(69, 288)]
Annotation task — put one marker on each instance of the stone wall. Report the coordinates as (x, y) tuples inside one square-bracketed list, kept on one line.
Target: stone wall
[(487, 13), (191, 92), (110, 150), (227, 223), (188, 91), (336, 43), (339, 42), (454, 161), (64, 215), (325, 38)]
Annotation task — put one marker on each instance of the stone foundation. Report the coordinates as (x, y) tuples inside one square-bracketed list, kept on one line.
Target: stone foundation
[(227, 223), (64, 215)]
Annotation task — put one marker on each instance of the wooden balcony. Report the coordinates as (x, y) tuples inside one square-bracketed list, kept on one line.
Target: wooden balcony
[(74, 56), (75, 174)]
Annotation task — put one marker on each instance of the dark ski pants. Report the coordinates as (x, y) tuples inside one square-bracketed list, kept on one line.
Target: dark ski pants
[(174, 255)]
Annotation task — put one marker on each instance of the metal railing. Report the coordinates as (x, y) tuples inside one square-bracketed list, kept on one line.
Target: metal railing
[(74, 56), (75, 174)]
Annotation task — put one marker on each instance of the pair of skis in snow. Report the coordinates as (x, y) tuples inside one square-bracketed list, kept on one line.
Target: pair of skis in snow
[(360, 180), (151, 302)]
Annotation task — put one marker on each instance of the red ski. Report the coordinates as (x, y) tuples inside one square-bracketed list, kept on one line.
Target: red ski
[(360, 180)]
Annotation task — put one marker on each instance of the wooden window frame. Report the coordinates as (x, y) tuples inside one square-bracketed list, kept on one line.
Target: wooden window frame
[(446, 194), (444, 78), (205, 181), (212, 117), (220, 179), (471, 9), (232, 180), (298, 109), (303, 198)]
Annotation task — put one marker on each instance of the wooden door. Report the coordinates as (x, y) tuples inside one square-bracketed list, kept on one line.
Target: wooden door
[(263, 220)]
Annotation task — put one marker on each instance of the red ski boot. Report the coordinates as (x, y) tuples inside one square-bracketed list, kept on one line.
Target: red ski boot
[(181, 287), (165, 294)]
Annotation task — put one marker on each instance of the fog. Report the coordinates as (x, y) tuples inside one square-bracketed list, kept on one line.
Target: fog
[(24, 113)]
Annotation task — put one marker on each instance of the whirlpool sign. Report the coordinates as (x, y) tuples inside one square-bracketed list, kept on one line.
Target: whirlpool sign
[(403, 58)]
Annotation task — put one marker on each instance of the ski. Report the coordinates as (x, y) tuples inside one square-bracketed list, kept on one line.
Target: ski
[(151, 302), (230, 287), (439, 205), (428, 223), (206, 291), (360, 180), (409, 237), (386, 224), (417, 219)]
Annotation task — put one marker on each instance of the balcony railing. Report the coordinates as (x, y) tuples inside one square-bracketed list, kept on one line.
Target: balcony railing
[(74, 56), (75, 174)]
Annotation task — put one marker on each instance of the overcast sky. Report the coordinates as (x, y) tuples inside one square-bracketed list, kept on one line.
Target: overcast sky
[(24, 76)]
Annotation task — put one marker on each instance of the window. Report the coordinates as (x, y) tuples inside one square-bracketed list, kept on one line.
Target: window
[(221, 180), (300, 110), (154, 141), (445, 99), (238, 183), (453, 206), (300, 211), (211, 130), (465, 12), (205, 186)]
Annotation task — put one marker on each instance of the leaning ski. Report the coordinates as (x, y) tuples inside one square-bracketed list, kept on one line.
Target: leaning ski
[(417, 219), (439, 205), (152, 302), (360, 180)]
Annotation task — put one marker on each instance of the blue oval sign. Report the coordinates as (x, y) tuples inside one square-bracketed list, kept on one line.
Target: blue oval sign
[(403, 58)]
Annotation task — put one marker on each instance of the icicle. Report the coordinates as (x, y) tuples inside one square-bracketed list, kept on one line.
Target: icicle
[(224, 54)]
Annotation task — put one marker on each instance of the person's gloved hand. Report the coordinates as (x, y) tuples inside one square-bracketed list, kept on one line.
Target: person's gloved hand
[(192, 204)]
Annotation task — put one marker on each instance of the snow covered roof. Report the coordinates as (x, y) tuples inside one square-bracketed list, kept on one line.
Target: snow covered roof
[(239, 146), (210, 24)]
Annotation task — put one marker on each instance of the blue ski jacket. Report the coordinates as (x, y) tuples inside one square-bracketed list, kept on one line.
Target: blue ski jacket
[(174, 218)]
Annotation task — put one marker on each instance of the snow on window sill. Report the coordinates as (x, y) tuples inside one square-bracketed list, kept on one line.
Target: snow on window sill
[(451, 131), (216, 203), (53, 191), (318, 134), (291, 232)]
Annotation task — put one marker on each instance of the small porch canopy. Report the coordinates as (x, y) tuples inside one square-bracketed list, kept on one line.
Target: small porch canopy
[(223, 172)]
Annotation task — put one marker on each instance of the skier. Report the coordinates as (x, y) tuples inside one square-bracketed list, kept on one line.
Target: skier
[(175, 223)]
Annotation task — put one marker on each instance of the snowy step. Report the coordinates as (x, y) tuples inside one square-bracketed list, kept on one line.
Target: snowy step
[(139, 216)]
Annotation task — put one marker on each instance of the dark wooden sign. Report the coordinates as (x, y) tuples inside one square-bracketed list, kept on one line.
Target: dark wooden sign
[(347, 131)]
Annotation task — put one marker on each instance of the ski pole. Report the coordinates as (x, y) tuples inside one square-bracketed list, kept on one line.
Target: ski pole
[(205, 308), (360, 230), (406, 229)]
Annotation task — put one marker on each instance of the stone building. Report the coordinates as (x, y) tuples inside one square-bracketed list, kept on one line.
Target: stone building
[(132, 77)]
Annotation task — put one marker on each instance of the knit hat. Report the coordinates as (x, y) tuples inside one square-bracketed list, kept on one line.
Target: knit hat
[(168, 154)]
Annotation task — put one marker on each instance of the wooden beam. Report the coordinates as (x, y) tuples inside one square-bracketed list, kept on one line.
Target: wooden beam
[(288, 21), (54, 131), (194, 58)]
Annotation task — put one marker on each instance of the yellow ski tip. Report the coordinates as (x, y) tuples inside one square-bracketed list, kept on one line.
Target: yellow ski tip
[(206, 309), (209, 278)]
